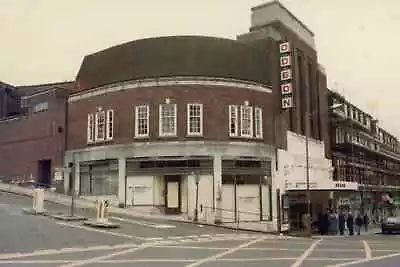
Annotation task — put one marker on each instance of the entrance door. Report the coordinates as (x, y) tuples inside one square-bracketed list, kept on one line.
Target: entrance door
[(44, 173), (172, 194)]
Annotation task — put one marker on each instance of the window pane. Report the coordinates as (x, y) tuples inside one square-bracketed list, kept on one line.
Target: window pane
[(246, 121), (233, 120), (194, 119), (142, 120), (167, 119)]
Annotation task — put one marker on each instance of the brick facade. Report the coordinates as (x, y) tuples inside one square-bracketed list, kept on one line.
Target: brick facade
[(215, 102), (27, 138)]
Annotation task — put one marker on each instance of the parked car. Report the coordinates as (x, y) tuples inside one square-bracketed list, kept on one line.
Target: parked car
[(391, 225)]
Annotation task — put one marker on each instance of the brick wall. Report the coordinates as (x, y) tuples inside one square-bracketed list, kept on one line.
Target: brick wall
[(215, 102)]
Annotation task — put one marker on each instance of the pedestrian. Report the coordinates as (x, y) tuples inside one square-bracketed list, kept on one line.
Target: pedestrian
[(366, 222), (350, 223), (325, 222), (342, 222), (359, 223), (320, 221)]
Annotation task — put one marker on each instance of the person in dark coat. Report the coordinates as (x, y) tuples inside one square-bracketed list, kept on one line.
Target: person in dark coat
[(350, 223), (366, 222), (342, 222), (325, 219), (320, 223), (359, 223)]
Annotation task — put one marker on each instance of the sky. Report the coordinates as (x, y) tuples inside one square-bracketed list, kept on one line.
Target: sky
[(357, 41)]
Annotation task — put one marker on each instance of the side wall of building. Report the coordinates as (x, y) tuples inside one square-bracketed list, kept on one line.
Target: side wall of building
[(25, 140)]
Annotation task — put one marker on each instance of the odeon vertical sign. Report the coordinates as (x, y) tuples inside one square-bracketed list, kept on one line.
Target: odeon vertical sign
[(286, 75)]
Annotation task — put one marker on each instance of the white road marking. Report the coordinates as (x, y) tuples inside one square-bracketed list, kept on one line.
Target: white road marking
[(100, 231), (154, 238), (231, 250), (107, 256), (147, 260), (226, 248), (333, 259), (306, 253), (190, 236), (365, 260), (368, 252), (175, 237), (143, 223), (254, 259), (162, 260), (63, 251)]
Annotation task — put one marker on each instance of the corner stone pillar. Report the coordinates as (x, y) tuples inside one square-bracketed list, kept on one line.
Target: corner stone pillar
[(217, 172), (121, 181)]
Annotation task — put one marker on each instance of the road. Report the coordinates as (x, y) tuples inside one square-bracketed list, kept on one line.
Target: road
[(28, 240)]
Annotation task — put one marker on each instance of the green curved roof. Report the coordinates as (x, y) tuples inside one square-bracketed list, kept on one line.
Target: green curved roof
[(174, 56)]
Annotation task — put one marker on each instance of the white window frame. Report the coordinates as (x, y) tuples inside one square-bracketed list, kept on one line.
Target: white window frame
[(189, 119), (98, 114), (147, 120), (90, 128), (160, 120), (233, 120), (258, 131), (242, 120), (110, 124)]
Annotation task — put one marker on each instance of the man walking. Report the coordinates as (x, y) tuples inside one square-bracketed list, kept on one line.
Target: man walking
[(350, 223), (342, 222), (359, 222), (366, 222)]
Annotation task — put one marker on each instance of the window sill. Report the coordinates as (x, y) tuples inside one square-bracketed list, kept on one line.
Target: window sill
[(99, 142), (193, 135), (142, 137), (168, 136), (247, 138)]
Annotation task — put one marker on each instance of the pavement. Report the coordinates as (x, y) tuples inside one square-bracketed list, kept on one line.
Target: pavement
[(29, 240), (87, 206)]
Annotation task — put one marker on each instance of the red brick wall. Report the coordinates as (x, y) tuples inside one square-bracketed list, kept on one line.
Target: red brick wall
[(26, 140), (215, 102)]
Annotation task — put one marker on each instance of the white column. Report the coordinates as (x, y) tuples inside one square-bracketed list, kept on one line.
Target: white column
[(76, 178), (275, 185), (217, 172), (121, 181)]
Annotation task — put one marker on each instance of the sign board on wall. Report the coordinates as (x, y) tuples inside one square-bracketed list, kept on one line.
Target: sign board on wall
[(286, 75)]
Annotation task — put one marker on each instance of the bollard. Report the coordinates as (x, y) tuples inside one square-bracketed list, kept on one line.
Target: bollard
[(37, 203), (101, 219), (39, 200)]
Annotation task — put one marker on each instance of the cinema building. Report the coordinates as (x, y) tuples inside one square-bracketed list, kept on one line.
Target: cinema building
[(169, 122), (184, 123)]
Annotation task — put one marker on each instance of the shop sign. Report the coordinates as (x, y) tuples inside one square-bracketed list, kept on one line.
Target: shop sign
[(286, 75), (340, 185)]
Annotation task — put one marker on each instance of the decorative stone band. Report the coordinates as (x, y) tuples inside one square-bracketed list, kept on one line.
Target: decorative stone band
[(169, 81)]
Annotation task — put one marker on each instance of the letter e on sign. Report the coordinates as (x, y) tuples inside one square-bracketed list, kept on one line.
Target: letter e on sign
[(284, 47), (287, 102), (286, 88), (286, 75)]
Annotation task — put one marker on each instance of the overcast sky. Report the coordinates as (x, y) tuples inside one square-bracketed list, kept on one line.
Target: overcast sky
[(357, 41)]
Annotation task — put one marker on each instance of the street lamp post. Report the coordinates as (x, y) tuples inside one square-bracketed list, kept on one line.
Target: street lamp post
[(196, 211), (72, 180), (308, 191)]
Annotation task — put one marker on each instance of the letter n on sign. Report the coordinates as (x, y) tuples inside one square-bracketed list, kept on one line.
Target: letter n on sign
[(287, 102)]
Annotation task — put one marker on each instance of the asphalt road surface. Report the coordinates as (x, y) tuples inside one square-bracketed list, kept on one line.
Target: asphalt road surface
[(28, 240)]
